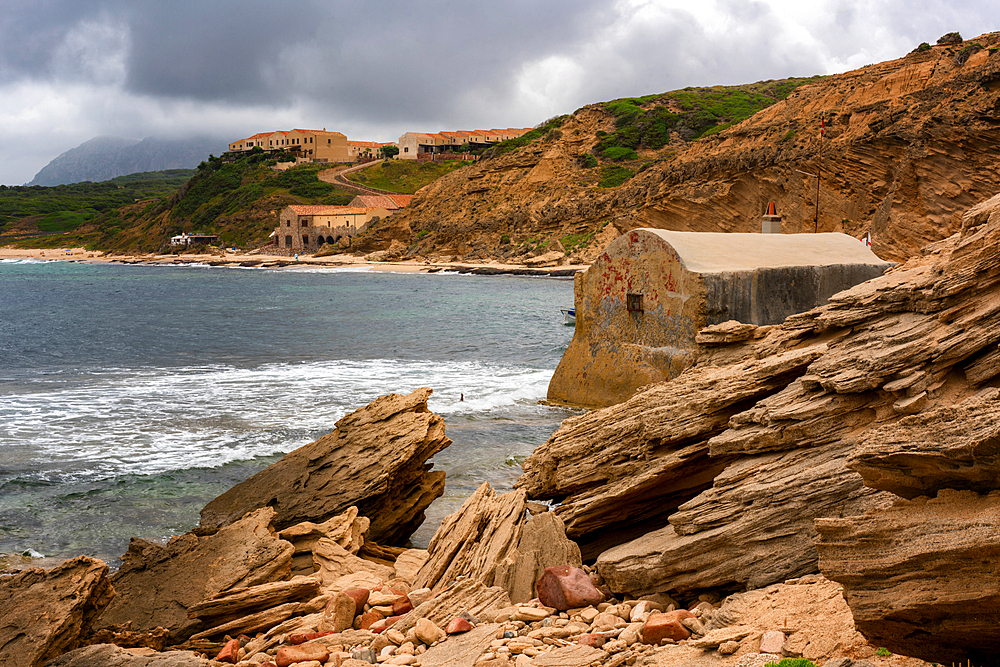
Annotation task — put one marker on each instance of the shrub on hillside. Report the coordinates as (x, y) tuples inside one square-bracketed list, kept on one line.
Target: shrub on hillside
[(619, 153), (950, 38), (613, 175)]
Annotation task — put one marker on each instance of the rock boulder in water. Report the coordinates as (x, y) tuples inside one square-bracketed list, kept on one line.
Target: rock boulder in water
[(375, 460)]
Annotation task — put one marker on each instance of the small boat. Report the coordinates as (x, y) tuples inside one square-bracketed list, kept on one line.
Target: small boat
[(569, 317)]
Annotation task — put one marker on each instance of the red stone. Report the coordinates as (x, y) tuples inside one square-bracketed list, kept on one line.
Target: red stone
[(665, 625), (566, 587), (365, 620), (401, 605), (457, 625), (289, 655), (229, 651), (360, 597)]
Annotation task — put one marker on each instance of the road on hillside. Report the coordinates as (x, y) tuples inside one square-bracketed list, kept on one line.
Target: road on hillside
[(337, 177)]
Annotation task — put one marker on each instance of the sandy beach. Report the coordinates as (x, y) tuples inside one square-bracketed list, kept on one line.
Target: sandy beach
[(279, 261)]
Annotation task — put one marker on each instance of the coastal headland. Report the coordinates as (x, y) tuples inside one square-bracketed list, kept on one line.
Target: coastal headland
[(823, 489)]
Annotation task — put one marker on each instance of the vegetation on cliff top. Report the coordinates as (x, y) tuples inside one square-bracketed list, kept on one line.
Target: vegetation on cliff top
[(403, 176), (647, 122), (237, 199)]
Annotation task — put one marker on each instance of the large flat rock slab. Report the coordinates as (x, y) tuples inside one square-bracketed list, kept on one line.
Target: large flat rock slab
[(951, 447), (375, 460), (754, 527), (109, 655)]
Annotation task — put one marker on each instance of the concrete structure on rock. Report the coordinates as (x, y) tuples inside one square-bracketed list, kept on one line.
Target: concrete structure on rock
[(306, 228), (641, 304)]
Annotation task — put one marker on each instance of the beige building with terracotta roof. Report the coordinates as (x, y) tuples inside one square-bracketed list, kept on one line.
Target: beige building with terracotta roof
[(305, 228), (366, 149), (413, 145), (308, 145)]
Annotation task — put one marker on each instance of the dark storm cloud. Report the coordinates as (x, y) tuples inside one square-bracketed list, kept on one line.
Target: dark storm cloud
[(74, 69), (395, 59), (30, 33)]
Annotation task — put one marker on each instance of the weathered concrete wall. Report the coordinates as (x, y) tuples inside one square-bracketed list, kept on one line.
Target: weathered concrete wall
[(769, 295), (687, 282), (614, 351)]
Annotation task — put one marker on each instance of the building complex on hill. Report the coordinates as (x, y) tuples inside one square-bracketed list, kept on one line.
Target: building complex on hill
[(323, 146), (422, 146), (310, 145)]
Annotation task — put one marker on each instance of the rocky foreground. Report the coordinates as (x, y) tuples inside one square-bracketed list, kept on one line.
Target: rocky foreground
[(823, 489)]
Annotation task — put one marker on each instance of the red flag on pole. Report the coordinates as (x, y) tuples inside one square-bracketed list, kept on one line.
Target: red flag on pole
[(822, 127)]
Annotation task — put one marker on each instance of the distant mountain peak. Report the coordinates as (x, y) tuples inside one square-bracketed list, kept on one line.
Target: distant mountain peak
[(103, 158)]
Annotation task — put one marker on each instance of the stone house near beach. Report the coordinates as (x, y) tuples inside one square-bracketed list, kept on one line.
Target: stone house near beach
[(304, 228), (641, 304)]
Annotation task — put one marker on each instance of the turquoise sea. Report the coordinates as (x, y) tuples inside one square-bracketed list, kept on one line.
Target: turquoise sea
[(131, 395)]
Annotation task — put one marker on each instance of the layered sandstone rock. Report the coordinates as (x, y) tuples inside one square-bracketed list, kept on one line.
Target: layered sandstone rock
[(490, 540), (44, 613), (108, 655), (921, 577), (375, 460), (724, 468), (158, 584), (650, 453), (953, 447)]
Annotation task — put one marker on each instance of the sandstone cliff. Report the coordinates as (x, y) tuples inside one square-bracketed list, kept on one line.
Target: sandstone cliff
[(722, 469), (909, 145)]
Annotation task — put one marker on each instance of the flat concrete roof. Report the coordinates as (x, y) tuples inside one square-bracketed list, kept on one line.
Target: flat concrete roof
[(718, 252)]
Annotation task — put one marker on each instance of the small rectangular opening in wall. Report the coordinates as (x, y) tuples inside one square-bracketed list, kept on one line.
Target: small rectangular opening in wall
[(633, 303)]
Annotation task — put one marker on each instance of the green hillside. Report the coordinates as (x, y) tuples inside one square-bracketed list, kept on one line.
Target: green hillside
[(238, 199), (66, 207)]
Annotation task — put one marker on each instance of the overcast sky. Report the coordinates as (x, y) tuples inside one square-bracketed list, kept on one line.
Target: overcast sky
[(71, 70)]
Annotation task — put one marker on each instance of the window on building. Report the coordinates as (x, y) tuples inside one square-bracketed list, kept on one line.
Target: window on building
[(406, 149), (305, 240), (633, 303)]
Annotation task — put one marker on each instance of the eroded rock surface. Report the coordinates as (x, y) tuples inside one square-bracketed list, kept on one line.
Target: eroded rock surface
[(157, 584), (491, 540), (921, 577), (46, 612), (723, 469), (375, 460)]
